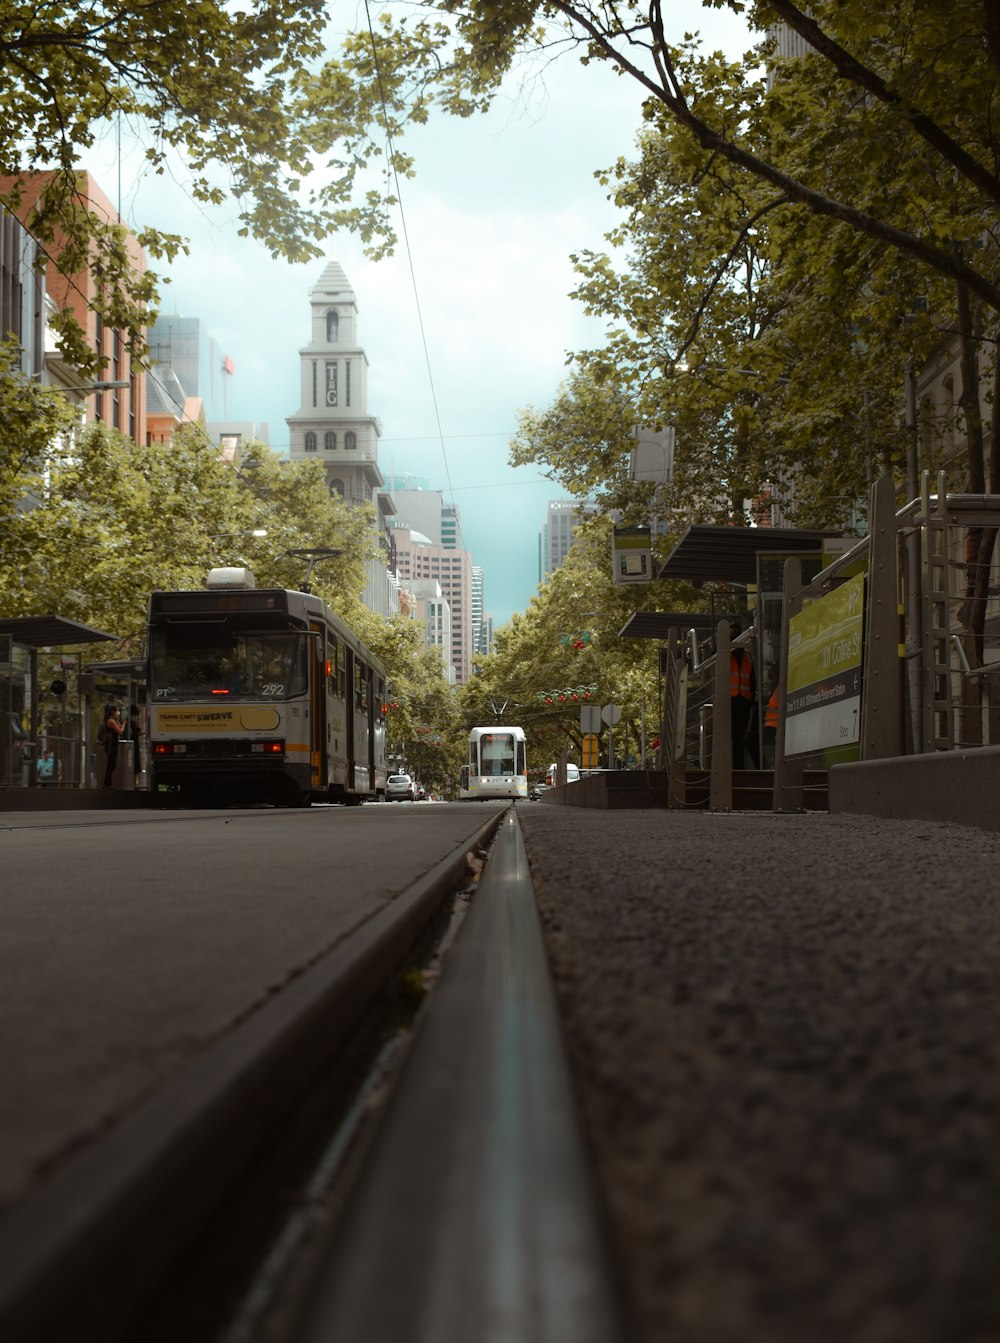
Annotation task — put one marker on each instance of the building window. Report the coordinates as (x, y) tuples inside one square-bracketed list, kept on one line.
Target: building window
[(310, 442), (337, 487), (99, 347), (332, 325), (350, 440), (314, 381), (330, 441), (116, 374), (331, 384), (347, 383)]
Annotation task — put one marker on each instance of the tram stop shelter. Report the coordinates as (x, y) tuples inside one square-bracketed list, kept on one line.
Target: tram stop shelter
[(747, 565), (44, 701)]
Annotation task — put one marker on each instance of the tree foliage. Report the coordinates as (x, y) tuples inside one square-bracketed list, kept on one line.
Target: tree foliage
[(539, 661), (232, 90), (108, 521)]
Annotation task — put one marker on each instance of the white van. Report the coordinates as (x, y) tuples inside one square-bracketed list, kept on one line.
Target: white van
[(572, 774)]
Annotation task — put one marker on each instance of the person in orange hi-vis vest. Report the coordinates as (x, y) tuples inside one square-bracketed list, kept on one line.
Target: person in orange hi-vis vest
[(771, 725), (742, 697)]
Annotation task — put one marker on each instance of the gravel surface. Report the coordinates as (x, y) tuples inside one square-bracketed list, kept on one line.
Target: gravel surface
[(785, 1031)]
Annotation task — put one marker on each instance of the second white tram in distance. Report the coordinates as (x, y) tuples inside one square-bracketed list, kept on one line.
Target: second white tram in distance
[(497, 765)]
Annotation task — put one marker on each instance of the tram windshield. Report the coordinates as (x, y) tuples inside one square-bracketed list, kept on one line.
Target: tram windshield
[(221, 662), (497, 753)]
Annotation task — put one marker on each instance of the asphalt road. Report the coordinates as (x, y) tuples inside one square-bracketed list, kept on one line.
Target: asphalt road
[(784, 1030), (131, 940)]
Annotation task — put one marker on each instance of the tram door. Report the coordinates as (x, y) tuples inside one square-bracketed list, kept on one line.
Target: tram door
[(318, 670), (351, 699)]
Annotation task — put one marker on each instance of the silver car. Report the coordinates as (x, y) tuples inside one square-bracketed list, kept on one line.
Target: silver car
[(399, 788)]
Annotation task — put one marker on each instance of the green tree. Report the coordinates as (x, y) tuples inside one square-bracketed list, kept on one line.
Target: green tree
[(540, 661), (928, 74), (772, 344), (33, 418), (114, 520), (229, 89)]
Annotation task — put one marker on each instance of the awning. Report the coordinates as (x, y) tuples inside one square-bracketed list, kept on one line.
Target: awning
[(707, 554), (655, 624), (50, 631)]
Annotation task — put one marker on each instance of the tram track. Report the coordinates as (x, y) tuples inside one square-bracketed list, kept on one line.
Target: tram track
[(93, 1249)]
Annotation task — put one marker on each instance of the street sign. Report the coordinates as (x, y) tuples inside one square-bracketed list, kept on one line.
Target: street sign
[(611, 714), (591, 751), (590, 718), (632, 552)]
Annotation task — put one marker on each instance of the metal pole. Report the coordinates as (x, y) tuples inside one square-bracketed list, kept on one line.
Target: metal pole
[(881, 716), (788, 794), (721, 779)]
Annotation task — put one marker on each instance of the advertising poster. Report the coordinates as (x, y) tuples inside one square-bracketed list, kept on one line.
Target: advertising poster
[(823, 703)]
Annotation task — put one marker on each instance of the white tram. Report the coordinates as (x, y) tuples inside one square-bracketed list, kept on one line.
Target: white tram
[(497, 764), (261, 695)]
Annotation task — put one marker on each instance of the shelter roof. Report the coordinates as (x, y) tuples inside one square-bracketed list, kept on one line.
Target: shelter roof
[(709, 554), (49, 631), (655, 624)]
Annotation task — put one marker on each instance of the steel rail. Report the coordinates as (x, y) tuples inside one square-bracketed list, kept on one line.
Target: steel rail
[(79, 1256), (475, 1215)]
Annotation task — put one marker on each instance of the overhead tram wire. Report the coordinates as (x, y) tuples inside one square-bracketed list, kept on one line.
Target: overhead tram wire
[(406, 244)]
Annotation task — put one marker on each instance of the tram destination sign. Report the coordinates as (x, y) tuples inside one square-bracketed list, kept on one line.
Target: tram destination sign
[(823, 697)]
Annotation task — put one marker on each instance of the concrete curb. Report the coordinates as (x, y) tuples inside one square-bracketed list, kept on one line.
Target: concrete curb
[(958, 786)]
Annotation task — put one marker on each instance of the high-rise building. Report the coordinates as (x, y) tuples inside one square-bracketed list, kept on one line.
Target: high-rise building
[(182, 345), (431, 607), (562, 518), (480, 629), (426, 511), (332, 424), (418, 558)]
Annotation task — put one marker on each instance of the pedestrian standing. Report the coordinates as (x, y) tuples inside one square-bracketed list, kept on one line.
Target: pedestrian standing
[(771, 726), (113, 729), (742, 694)]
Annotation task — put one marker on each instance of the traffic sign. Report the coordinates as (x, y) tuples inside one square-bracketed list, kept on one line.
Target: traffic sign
[(611, 714), (591, 751), (590, 718)]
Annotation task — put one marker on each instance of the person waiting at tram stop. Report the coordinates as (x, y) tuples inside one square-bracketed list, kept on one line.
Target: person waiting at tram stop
[(113, 729), (742, 700), (771, 723), (47, 768)]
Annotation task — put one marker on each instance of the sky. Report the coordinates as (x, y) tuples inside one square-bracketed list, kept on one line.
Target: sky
[(465, 326)]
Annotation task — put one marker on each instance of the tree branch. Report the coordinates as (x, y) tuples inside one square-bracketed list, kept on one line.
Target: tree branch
[(944, 262), (853, 70)]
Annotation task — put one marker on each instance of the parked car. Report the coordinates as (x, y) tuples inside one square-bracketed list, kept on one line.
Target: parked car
[(572, 774), (537, 790), (399, 788)]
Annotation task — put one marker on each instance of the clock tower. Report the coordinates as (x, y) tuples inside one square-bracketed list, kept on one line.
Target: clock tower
[(332, 424)]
